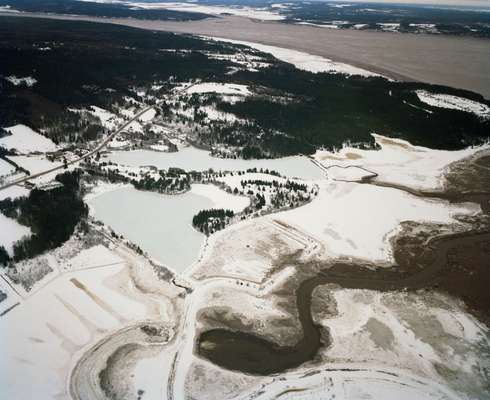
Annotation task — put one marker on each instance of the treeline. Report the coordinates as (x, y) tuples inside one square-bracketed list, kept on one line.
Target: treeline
[(4, 256), (162, 184), (212, 220), (289, 185), (332, 109), (52, 215)]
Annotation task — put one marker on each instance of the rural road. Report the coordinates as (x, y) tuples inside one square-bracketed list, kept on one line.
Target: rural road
[(90, 153), (460, 62)]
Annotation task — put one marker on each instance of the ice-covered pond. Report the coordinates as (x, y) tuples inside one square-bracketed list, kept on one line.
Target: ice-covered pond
[(191, 158), (162, 224)]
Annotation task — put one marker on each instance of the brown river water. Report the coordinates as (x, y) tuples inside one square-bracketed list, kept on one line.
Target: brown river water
[(429, 268)]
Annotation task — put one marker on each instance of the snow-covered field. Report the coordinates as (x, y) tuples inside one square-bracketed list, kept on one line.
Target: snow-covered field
[(10, 232), (301, 60), (13, 192), (454, 103), (44, 336), (38, 163), (25, 140)]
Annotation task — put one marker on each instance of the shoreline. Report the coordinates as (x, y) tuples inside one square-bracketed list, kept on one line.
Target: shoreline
[(454, 61)]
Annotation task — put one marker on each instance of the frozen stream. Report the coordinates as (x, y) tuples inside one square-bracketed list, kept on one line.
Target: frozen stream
[(191, 158)]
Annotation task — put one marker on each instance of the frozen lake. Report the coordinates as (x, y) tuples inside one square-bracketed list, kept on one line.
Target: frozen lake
[(191, 158), (162, 224)]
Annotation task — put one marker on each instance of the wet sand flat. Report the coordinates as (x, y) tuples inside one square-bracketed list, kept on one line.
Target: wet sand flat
[(459, 62)]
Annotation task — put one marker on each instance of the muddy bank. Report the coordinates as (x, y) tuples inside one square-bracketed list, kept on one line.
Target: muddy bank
[(426, 257), (459, 62), (249, 353)]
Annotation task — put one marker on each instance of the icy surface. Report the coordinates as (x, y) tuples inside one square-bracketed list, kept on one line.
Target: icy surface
[(191, 158), (162, 224)]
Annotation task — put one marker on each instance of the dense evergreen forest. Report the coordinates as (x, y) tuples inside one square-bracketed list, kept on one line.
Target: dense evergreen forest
[(212, 220), (95, 64), (52, 215)]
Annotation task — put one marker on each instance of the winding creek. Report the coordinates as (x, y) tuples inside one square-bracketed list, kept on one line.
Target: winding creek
[(249, 353), (253, 354)]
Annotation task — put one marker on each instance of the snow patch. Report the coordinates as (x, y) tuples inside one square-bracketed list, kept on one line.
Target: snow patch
[(303, 61), (454, 103), (220, 88), (28, 81), (10, 232)]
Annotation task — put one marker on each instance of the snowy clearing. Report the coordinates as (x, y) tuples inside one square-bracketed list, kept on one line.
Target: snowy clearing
[(220, 198), (10, 232), (5, 168), (147, 116), (303, 61), (13, 192), (108, 119), (28, 81), (454, 103), (25, 140), (220, 88)]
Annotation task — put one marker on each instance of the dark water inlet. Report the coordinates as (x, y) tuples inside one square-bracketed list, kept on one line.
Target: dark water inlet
[(249, 353)]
